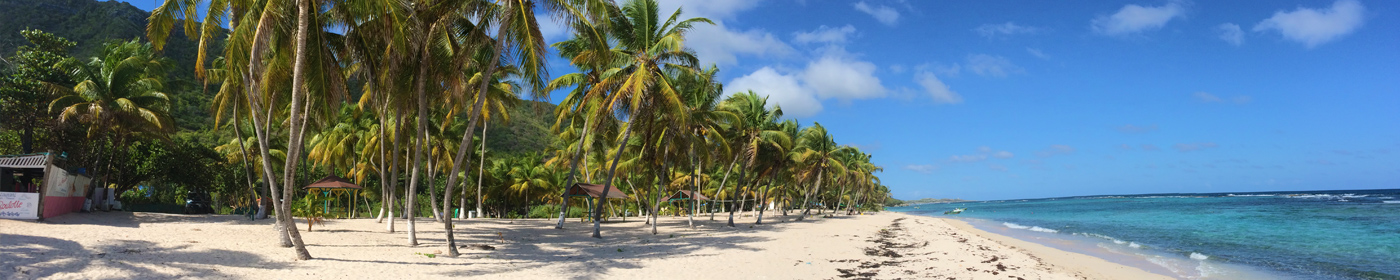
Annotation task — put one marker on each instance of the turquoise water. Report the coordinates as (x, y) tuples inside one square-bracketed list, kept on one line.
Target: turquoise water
[(1353, 234)]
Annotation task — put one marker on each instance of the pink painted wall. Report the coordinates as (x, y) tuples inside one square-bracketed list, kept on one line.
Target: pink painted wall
[(59, 205)]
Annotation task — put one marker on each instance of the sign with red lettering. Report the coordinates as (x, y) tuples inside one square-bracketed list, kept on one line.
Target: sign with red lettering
[(22, 206)]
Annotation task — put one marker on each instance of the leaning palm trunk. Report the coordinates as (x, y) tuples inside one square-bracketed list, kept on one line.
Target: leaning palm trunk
[(806, 202), (765, 198), (263, 128), (438, 215), (721, 185), (466, 143), (412, 196), (734, 205), (612, 173), (252, 189), (297, 120), (573, 171), (481, 171)]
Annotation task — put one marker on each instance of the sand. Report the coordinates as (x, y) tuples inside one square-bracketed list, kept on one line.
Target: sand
[(121, 245)]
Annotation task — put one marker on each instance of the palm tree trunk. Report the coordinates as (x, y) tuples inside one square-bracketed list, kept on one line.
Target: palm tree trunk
[(297, 122), (573, 170), (694, 184), (264, 129), (765, 197), (412, 195), (743, 169), (663, 180), (467, 135), (438, 215), (383, 157), (721, 185), (237, 132), (394, 168), (481, 171), (806, 202), (612, 173)]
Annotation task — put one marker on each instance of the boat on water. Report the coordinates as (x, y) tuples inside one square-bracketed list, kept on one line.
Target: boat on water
[(954, 211)]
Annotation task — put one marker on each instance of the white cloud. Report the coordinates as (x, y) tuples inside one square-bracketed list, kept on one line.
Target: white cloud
[(1189, 147), (967, 158), (983, 153), (1037, 53), (882, 13), (1314, 27), (1206, 97), (1134, 19), (719, 45), (1004, 29), (552, 30), (712, 9), (837, 75), (824, 34), (936, 89), (988, 65), (921, 168), (1231, 33), (1056, 150), (781, 90)]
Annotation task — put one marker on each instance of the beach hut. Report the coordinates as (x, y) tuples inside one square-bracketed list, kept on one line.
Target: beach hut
[(337, 189), (33, 187)]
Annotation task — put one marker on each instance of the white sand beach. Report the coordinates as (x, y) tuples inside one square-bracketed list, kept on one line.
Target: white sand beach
[(122, 245)]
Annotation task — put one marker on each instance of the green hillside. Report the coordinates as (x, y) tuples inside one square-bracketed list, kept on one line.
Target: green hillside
[(527, 131)]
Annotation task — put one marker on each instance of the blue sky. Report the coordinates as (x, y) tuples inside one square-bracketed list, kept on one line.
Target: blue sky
[(1025, 99)]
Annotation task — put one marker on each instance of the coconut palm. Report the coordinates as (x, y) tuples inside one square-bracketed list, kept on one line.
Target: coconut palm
[(816, 154), (753, 131), (639, 86)]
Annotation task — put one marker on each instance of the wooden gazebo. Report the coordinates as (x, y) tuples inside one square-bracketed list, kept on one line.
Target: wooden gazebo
[(684, 196), (334, 187), (592, 191)]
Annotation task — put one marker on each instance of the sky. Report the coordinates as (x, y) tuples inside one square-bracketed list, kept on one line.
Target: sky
[(987, 100)]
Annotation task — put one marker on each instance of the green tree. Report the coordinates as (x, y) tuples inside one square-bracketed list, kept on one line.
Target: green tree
[(22, 94)]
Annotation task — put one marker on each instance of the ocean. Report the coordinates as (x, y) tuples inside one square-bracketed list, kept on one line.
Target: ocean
[(1346, 234)]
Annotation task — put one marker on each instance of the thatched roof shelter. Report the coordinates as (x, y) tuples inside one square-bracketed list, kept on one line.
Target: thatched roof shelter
[(591, 190)]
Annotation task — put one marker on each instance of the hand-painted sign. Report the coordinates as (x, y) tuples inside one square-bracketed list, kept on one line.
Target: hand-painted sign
[(23, 206)]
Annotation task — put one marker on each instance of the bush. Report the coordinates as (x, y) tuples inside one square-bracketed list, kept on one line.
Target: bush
[(552, 211)]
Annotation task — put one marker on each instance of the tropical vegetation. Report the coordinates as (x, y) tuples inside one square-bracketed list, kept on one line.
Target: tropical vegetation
[(398, 96)]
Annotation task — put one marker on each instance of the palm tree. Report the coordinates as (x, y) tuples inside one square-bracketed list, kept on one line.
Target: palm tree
[(754, 131), (518, 30), (590, 50), (118, 93), (641, 87), (816, 151)]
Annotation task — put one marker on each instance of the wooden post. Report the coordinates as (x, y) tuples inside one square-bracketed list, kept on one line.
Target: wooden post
[(44, 184)]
